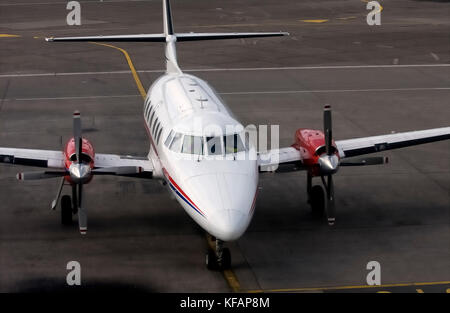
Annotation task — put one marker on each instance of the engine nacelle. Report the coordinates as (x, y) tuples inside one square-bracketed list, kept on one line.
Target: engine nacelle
[(87, 155), (311, 145)]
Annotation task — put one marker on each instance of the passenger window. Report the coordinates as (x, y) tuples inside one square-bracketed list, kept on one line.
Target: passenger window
[(159, 135), (176, 143), (151, 118), (169, 139), (149, 111), (155, 126), (214, 145), (192, 145)]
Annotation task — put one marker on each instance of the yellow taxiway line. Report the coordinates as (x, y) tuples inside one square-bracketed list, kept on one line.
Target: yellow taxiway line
[(349, 287), (229, 275), (130, 65), (8, 36), (315, 21)]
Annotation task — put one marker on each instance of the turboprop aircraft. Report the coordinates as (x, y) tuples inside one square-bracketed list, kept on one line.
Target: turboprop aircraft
[(209, 170)]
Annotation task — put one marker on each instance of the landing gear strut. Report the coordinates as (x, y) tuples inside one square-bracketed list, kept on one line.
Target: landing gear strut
[(66, 210), (218, 257), (316, 198)]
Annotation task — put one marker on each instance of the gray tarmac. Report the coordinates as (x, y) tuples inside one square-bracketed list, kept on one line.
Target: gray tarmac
[(378, 79)]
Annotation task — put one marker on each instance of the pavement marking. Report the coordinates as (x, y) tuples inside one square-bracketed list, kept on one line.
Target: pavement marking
[(130, 65), (8, 36), (239, 93), (72, 98), (315, 21), (348, 287), (331, 91), (346, 18), (61, 2), (435, 56), (229, 275), (286, 68)]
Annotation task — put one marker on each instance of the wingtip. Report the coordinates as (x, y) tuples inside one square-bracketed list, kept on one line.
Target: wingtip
[(49, 39)]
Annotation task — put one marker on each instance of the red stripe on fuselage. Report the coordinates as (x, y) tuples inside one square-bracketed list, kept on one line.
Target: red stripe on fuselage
[(180, 190)]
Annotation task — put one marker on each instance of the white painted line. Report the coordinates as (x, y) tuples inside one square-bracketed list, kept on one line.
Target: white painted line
[(244, 93), (331, 91), (435, 56), (70, 98), (337, 67)]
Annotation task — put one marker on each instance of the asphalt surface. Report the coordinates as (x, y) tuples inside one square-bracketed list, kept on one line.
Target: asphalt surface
[(141, 240)]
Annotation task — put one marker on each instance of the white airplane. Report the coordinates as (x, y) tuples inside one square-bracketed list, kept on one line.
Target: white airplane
[(209, 170)]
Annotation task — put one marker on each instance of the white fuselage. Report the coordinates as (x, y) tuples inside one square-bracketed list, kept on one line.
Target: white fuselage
[(217, 189)]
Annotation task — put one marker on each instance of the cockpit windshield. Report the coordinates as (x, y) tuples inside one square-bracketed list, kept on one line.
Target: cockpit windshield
[(199, 145)]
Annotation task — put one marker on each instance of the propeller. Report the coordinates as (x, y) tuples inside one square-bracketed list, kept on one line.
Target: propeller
[(329, 164), (80, 173), (77, 134)]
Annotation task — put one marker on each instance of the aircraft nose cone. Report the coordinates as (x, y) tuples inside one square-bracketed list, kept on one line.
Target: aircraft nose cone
[(229, 225)]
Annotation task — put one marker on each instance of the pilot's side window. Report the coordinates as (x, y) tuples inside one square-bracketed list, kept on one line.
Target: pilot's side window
[(176, 143), (169, 139)]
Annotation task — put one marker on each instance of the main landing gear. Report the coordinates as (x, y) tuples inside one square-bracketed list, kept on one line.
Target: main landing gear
[(69, 207), (316, 198), (217, 257)]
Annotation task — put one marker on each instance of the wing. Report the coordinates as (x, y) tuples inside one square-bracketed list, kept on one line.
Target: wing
[(55, 159), (280, 160), (114, 160), (359, 146), (30, 157), (288, 159)]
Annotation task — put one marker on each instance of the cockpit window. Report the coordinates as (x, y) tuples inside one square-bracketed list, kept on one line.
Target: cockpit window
[(192, 145), (214, 145), (233, 144), (176, 143), (169, 138)]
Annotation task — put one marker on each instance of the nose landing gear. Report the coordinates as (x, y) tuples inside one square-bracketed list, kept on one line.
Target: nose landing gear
[(217, 258)]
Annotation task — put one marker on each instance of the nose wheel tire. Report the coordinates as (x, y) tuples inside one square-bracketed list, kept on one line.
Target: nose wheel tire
[(66, 210), (216, 263), (317, 201)]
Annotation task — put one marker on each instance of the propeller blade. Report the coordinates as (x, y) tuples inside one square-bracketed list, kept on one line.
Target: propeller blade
[(330, 201), (120, 170), (82, 213), (365, 161), (77, 134), (327, 128), (40, 175), (58, 193)]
